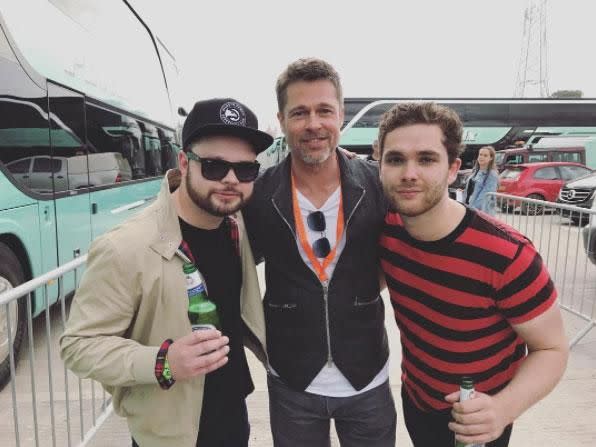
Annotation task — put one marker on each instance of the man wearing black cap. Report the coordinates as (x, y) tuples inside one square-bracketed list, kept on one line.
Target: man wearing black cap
[(129, 327)]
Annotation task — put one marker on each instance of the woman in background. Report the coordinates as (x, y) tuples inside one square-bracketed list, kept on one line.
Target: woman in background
[(484, 179)]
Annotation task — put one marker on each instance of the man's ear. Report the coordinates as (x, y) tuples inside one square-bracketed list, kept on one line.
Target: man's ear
[(453, 169), (282, 122), (182, 162)]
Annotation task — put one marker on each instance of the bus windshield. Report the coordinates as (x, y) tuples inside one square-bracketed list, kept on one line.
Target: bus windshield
[(99, 48)]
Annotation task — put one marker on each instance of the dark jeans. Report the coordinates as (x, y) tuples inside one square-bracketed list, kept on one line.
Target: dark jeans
[(232, 432), (303, 419), (431, 430)]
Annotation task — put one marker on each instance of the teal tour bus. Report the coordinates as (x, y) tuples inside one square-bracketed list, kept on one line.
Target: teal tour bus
[(87, 131)]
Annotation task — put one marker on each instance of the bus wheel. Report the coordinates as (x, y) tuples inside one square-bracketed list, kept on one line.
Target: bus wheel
[(11, 275)]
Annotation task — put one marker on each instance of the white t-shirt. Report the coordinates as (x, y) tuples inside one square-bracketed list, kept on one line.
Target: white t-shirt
[(330, 381)]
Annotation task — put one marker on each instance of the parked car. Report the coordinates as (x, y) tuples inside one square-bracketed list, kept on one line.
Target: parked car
[(581, 193), (589, 232), (540, 181), (38, 173)]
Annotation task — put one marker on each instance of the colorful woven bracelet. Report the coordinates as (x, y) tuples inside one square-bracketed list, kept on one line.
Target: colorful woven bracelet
[(162, 367)]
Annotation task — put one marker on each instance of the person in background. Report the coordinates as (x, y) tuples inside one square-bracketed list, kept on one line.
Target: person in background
[(483, 180), (374, 155), (471, 295), (129, 327), (316, 219)]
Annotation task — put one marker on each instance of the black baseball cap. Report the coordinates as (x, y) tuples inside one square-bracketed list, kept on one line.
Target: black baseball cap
[(224, 116)]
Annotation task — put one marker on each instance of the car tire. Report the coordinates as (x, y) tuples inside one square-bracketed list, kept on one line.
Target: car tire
[(532, 209), (11, 275)]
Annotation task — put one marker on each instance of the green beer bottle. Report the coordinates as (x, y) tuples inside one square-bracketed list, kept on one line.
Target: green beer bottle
[(202, 312), (466, 388)]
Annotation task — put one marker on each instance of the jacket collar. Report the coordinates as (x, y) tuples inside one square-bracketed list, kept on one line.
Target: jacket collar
[(169, 235), (350, 189)]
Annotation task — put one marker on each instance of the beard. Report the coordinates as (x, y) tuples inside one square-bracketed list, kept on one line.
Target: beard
[(425, 201), (313, 159), (211, 205), (308, 156)]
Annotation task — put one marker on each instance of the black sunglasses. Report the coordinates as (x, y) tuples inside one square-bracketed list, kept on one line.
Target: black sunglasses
[(316, 222), (216, 169)]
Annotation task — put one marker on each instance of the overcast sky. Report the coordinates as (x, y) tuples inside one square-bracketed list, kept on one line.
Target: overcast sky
[(424, 48)]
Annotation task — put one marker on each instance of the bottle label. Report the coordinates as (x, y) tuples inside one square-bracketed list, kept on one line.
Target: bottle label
[(193, 279), (197, 290), (202, 327), (465, 394)]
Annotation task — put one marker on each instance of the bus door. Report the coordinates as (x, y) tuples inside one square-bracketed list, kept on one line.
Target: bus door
[(71, 176)]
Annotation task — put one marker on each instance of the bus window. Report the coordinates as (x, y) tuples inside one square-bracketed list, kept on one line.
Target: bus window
[(514, 159), (169, 149), (67, 137), (118, 138), (567, 156), (23, 125), (20, 166), (43, 170), (536, 158), (152, 147)]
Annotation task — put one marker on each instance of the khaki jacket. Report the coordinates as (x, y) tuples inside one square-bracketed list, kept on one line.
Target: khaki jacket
[(132, 297)]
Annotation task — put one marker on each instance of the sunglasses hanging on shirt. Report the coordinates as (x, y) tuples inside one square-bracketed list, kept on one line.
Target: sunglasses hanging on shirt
[(320, 254), (316, 222)]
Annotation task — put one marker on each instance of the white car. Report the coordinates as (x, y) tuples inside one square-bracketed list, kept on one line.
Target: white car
[(105, 168)]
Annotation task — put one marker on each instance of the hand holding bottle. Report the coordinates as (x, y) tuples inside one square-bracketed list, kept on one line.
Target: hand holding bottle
[(197, 353), (477, 420)]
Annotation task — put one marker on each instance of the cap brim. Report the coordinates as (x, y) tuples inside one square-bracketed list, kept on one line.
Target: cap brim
[(258, 139)]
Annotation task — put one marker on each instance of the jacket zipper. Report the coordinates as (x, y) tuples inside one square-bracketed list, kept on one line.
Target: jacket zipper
[(324, 284)]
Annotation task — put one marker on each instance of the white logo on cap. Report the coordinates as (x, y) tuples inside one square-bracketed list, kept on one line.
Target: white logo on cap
[(232, 113)]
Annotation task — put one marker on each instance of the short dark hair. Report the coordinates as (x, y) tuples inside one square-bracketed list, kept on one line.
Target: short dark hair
[(306, 69), (408, 113)]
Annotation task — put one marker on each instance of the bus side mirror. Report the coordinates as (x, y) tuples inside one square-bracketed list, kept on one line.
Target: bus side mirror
[(182, 112)]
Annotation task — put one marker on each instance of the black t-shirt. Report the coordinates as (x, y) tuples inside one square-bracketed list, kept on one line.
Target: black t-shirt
[(227, 387)]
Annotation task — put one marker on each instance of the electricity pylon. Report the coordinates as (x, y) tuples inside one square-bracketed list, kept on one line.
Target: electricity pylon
[(532, 69)]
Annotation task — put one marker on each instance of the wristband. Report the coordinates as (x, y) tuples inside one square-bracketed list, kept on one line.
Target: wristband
[(162, 367)]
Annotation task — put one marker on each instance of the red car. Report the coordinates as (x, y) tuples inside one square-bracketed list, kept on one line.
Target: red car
[(541, 181)]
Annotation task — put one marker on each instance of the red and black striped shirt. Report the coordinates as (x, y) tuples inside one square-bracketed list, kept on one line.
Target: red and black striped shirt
[(455, 301)]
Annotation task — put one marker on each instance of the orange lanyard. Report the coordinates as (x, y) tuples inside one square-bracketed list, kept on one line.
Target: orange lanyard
[(317, 266)]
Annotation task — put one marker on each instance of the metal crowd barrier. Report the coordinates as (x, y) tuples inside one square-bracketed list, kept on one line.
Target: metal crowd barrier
[(50, 405), (560, 233)]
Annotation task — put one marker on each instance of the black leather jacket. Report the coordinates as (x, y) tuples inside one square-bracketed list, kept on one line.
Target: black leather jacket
[(309, 323)]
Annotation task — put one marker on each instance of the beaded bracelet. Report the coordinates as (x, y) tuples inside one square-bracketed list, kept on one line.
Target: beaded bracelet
[(162, 367)]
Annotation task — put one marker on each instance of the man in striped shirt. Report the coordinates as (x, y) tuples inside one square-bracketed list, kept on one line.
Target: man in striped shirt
[(471, 295)]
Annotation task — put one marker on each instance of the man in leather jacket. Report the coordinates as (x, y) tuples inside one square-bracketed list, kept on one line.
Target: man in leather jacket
[(315, 219)]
